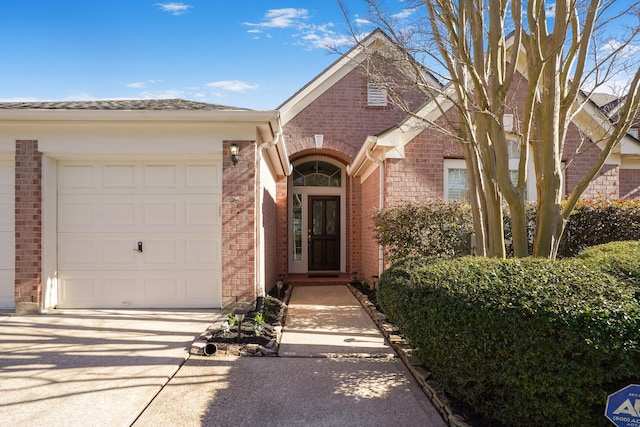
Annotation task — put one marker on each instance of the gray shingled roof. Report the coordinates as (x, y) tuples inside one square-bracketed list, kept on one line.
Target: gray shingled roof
[(119, 105)]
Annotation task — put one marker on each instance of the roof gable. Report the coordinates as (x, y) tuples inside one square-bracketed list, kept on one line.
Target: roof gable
[(376, 40)]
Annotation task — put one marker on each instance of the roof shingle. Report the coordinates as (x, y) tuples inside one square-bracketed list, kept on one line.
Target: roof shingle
[(120, 105)]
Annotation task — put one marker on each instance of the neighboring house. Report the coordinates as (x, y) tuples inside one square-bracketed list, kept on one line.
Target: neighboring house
[(139, 203)]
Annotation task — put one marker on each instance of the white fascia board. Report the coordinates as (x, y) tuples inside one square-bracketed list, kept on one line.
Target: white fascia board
[(65, 139), (222, 116)]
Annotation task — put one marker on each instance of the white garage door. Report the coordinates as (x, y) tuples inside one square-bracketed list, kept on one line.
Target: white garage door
[(7, 235), (139, 235)]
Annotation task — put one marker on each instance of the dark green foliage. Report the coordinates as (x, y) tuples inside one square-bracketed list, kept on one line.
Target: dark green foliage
[(439, 227), (620, 259), (597, 222), (431, 228), (522, 341)]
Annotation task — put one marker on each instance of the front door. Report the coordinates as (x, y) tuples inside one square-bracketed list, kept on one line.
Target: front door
[(324, 233)]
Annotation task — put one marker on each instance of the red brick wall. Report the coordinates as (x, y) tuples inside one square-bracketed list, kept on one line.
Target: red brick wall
[(370, 248), (605, 184), (269, 219), (28, 226), (420, 174), (354, 226), (630, 183), (340, 114), (238, 224), (281, 250)]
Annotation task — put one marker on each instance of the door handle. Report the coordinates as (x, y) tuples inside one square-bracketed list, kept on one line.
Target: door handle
[(139, 248)]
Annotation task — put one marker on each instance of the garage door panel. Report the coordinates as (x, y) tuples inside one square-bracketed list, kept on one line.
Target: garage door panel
[(83, 252), (119, 176), (198, 286), (77, 177), (161, 176), (139, 178), (6, 212), (203, 177), (202, 213), (117, 214), (7, 251), (151, 213), (162, 212), (7, 289), (7, 234), (162, 252), (79, 290), (172, 209), (202, 252)]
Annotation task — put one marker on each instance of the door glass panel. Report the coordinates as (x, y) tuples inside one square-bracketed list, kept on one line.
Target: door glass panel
[(331, 217), (318, 218), (297, 227), (317, 174)]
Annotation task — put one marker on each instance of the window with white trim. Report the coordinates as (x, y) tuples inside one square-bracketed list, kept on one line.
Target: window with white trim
[(456, 179), (376, 94)]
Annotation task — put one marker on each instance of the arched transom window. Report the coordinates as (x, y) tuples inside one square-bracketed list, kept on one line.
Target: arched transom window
[(317, 173)]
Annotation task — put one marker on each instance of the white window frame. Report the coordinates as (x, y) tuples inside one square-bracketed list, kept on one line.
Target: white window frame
[(513, 165)]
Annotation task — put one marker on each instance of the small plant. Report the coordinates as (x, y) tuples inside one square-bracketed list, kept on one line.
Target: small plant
[(258, 323), (231, 319), (225, 326)]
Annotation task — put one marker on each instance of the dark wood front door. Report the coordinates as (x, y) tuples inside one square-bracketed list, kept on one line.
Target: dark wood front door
[(324, 233)]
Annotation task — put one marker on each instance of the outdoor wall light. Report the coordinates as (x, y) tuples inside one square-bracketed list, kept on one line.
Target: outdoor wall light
[(234, 149)]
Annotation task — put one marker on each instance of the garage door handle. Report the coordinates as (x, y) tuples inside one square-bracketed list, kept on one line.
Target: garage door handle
[(139, 247)]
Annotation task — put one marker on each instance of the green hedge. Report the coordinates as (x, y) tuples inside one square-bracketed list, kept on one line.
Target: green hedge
[(435, 227), (522, 341), (595, 222)]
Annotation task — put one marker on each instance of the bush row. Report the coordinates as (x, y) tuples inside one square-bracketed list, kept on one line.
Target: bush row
[(523, 341), (443, 227)]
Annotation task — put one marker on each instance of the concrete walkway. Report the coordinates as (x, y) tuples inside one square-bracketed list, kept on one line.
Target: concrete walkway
[(90, 367), (333, 369), (127, 367)]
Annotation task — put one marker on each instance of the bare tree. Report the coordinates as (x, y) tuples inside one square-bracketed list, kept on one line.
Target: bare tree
[(487, 53)]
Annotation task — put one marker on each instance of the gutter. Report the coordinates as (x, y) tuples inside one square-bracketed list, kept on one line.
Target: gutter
[(380, 163), (260, 285)]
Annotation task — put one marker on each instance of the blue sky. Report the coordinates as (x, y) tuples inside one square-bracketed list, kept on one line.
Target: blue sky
[(252, 54)]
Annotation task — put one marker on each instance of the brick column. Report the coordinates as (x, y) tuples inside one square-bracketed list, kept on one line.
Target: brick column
[(28, 226), (238, 224)]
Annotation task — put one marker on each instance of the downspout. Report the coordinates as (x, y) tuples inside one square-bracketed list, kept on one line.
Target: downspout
[(380, 163), (260, 286)]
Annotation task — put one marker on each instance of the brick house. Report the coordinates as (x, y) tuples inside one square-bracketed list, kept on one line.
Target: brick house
[(141, 204)]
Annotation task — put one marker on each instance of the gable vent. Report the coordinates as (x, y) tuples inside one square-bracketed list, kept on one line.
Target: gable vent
[(376, 95)]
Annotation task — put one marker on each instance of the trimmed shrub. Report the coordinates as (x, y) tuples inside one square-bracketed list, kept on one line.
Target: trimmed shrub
[(522, 341), (595, 222), (620, 259), (435, 227)]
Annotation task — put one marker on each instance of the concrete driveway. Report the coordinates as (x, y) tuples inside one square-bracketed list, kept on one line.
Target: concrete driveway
[(90, 367)]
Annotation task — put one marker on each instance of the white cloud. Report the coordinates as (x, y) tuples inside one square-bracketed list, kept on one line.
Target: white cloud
[(174, 8), (232, 86), (135, 85), (165, 94), (362, 21), (311, 36), (404, 14), (281, 18)]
